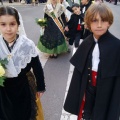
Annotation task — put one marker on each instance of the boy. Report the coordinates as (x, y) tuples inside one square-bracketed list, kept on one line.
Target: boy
[(95, 85), (73, 29)]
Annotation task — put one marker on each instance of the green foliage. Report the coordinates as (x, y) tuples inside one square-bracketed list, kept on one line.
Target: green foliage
[(53, 15), (2, 80), (42, 22), (4, 62), (2, 71)]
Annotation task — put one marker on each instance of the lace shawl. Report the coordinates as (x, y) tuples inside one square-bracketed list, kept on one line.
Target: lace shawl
[(22, 53), (59, 9)]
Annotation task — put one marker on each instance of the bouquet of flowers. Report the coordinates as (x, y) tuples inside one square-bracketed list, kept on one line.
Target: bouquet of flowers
[(2, 70), (42, 22)]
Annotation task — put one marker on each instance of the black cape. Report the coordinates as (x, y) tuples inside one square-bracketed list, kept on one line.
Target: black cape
[(107, 103)]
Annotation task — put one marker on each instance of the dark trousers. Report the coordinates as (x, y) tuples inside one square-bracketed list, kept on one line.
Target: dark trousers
[(28, 1), (115, 2), (75, 39), (89, 102)]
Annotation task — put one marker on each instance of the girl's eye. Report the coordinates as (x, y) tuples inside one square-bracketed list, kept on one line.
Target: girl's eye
[(12, 24), (2, 24)]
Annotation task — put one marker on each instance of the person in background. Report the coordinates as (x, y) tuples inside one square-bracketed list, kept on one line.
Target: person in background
[(17, 101), (94, 90), (53, 40), (73, 29), (67, 6), (85, 4), (67, 11), (115, 3)]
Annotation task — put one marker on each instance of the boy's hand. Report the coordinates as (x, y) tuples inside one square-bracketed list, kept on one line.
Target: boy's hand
[(85, 26), (66, 28)]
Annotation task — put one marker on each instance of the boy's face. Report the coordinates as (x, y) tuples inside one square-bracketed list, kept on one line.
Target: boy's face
[(98, 26), (76, 10), (84, 2)]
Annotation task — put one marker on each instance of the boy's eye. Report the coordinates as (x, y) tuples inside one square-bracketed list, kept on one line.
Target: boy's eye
[(94, 20), (103, 20)]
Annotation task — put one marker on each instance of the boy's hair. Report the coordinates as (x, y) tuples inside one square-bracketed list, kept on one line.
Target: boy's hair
[(75, 5), (101, 9), (6, 10)]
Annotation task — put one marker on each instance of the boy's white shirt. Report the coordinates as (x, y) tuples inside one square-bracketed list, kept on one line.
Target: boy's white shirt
[(83, 10), (95, 57)]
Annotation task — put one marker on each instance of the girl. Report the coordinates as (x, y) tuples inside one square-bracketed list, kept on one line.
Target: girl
[(94, 90), (17, 101), (53, 41)]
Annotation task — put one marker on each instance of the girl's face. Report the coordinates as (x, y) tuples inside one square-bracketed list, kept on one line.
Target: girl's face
[(53, 1), (98, 26), (76, 10), (8, 27)]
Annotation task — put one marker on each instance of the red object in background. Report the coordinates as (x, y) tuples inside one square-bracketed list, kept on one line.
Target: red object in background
[(79, 27)]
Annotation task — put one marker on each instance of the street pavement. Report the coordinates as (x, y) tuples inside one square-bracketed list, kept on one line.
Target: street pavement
[(58, 71)]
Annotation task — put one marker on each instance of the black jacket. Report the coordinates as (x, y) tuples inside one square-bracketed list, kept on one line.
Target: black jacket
[(72, 24), (107, 103), (86, 7)]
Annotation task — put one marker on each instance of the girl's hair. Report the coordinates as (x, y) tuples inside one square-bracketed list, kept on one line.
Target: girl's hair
[(49, 1), (75, 5), (6, 10), (101, 9)]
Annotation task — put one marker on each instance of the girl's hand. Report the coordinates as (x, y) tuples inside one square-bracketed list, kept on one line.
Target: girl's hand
[(39, 94)]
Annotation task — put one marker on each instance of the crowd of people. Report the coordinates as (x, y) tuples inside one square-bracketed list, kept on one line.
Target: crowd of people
[(96, 61), (115, 1)]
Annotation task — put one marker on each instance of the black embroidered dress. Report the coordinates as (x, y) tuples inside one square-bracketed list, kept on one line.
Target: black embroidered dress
[(16, 97), (53, 41)]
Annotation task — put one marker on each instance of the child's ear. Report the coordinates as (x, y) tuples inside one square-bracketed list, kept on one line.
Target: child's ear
[(108, 26)]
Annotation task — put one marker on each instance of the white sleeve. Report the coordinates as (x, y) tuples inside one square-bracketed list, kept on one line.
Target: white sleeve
[(65, 3)]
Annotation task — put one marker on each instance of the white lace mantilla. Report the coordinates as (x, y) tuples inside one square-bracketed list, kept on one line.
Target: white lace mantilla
[(23, 50)]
